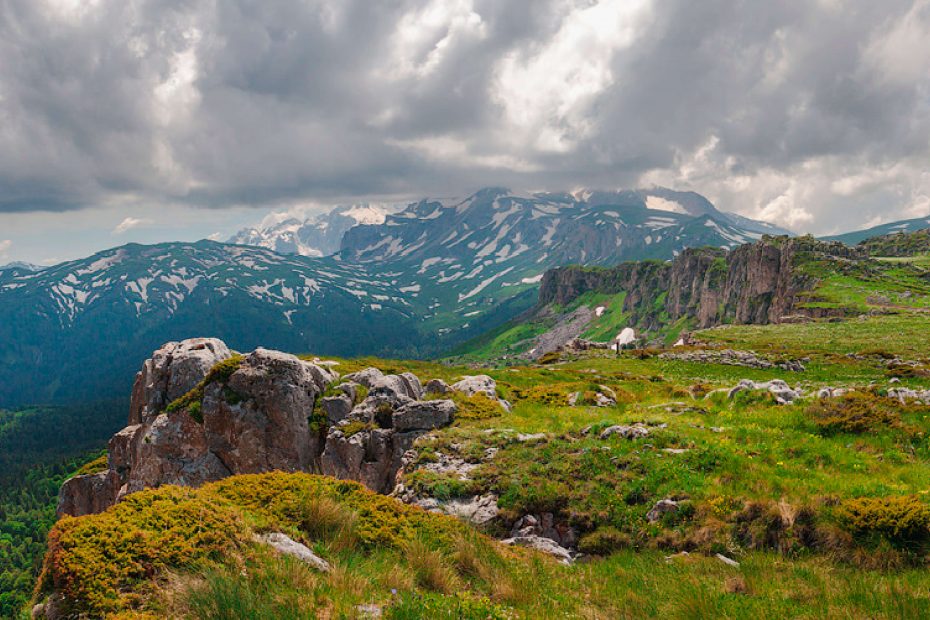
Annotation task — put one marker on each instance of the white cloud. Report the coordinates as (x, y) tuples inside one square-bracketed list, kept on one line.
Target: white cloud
[(5, 245), (425, 36), (129, 223), (547, 91)]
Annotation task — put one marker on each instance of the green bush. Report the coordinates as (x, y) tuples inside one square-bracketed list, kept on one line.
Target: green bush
[(604, 541), (902, 520)]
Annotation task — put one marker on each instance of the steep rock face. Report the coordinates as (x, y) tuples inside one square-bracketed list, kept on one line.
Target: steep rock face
[(254, 415), (172, 371), (755, 283)]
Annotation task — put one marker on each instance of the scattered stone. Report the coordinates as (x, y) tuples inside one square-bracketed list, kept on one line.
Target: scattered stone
[(369, 612), (286, 545), (544, 525), (544, 545), (483, 384), (661, 507), (437, 386), (530, 437), (478, 509), (726, 560), (633, 431), (732, 357), (779, 389), (904, 395), (831, 392)]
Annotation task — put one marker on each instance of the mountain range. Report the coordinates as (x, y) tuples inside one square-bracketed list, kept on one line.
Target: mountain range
[(319, 235), (902, 226), (415, 284)]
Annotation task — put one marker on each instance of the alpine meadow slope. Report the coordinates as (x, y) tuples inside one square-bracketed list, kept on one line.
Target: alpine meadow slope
[(773, 470)]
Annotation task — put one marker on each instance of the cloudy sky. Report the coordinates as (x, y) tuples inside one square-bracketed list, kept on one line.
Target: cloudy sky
[(135, 120)]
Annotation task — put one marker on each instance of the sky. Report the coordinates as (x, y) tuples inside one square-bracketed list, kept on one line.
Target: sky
[(154, 120)]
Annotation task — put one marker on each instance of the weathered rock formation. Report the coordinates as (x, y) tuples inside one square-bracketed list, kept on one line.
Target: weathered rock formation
[(756, 283), (261, 412)]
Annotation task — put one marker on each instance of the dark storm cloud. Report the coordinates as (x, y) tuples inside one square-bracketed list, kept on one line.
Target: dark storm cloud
[(793, 111)]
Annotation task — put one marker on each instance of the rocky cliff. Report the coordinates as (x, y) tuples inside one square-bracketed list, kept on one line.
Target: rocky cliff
[(755, 283), (200, 412)]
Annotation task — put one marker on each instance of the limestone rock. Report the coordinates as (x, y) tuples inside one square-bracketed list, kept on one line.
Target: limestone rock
[(259, 420), (661, 507), (337, 408), (631, 431), (437, 386), (286, 545), (173, 449), (424, 415), (89, 494), (779, 389), (406, 384), (544, 545), (483, 384), (171, 372)]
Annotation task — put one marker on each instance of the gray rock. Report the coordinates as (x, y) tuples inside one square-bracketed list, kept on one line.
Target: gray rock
[(779, 389), (437, 386), (400, 385), (545, 545), (631, 431), (172, 371), (661, 507), (424, 415), (337, 408), (89, 494), (288, 546)]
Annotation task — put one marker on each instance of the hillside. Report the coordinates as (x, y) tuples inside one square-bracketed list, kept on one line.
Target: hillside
[(75, 331), (775, 280), (899, 244), (902, 226), (766, 488)]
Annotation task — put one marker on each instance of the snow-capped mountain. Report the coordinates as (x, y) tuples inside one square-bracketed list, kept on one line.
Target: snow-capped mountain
[(461, 258), (21, 266), (319, 235), (75, 329), (852, 238), (417, 283)]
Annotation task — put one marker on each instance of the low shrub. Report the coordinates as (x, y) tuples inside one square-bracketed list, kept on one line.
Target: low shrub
[(551, 357), (221, 372), (855, 412), (476, 407), (604, 541), (95, 466), (902, 520)]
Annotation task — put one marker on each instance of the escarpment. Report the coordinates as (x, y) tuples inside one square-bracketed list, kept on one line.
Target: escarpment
[(755, 283), (200, 413)]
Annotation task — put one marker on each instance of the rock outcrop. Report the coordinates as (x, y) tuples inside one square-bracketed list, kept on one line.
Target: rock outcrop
[(753, 284), (171, 372), (261, 412), (369, 443)]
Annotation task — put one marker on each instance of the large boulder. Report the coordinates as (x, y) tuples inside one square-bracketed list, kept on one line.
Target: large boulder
[(424, 415), (258, 420), (253, 420), (171, 372), (173, 449), (88, 494), (405, 384)]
